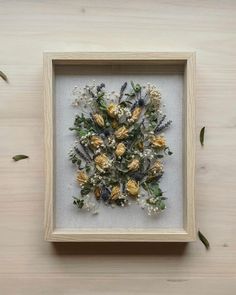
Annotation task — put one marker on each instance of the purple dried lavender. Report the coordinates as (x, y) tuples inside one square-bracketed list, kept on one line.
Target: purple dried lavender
[(160, 128), (81, 154), (99, 87), (161, 121), (122, 89), (86, 151)]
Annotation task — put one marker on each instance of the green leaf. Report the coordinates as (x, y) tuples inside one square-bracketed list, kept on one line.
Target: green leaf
[(145, 186), (19, 157), (132, 84), (101, 103), (78, 202), (82, 132), (123, 170), (101, 94), (162, 205), (202, 135), (85, 190), (136, 87), (203, 240), (167, 151), (155, 189), (87, 168), (3, 76)]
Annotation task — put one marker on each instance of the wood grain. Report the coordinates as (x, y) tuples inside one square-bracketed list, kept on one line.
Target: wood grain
[(28, 265)]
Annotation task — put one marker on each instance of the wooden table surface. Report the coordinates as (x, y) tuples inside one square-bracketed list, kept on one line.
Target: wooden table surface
[(28, 265)]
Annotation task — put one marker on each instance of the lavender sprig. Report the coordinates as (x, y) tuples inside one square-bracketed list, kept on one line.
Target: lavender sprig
[(161, 128), (161, 121), (81, 154), (99, 87), (86, 151), (123, 87)]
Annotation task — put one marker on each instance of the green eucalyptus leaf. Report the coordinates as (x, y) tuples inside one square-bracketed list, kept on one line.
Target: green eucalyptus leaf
[(87, 168), (132, 84), (3, 76), (85, 190), (202, 135), (162, 205), (204, 240), (78, 202), (78, 162), (137, 87), (19, 157), (155, 189)]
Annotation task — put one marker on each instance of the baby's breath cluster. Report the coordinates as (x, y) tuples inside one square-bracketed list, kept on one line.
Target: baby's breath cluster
[(119, 146)]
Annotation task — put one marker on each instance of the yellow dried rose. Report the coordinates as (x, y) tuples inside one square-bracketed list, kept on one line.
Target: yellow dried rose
[(122, 132), (157, 167), (115, 193), (112, 110), (120, 149), (101, 162), (158, 141), (99, 120), (134, 165), (95, 141), (97, 192), (132, 188), (155, 96), (136, 114), (82, 178)]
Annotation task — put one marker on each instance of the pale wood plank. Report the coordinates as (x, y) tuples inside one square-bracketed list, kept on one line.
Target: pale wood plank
[(28, 264)]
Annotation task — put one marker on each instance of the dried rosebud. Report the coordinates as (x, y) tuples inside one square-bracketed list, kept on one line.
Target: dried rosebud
[(95, 141), (132, 188), (134, 165), (156, 168), (102, 162), (136, 114), (120, 149), (158, 141), (99, 120), (122, 132), (97, 192), (112, 110), (155, 96), (115, 193), (82, 178)]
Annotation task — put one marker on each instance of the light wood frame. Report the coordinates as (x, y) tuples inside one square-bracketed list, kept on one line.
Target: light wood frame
[(165, 59)]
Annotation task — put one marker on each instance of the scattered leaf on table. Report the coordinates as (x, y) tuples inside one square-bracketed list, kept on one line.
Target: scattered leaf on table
[(203, 240), (202, 134), (19, 157), (3, 76)]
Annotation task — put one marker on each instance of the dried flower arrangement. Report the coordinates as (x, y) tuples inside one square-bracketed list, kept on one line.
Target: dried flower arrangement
[(119, 146)]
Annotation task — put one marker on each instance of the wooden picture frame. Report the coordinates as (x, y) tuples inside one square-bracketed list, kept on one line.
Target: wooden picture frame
[(170, 60)]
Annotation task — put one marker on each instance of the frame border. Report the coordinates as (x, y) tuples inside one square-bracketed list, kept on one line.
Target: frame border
[(187, 59)]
